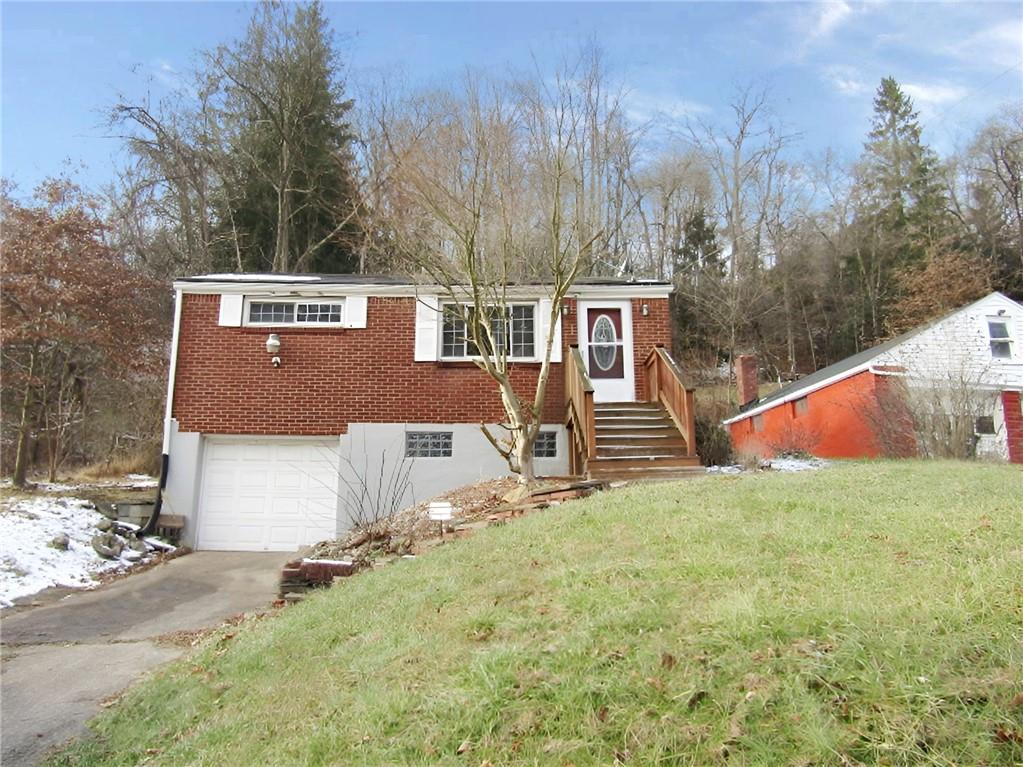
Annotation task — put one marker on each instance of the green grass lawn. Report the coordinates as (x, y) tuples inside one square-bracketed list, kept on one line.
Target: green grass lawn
[(871, 613)]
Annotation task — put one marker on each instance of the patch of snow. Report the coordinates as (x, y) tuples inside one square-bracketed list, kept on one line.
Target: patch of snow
[(785, 464), (729, 469), (796, 464), (57, 487), (156, 543), (28, 563)]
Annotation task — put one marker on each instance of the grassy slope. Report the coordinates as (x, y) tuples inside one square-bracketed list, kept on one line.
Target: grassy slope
[(870, 613)]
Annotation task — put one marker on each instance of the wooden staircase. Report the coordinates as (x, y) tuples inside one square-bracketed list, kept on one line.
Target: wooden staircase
[(639, 440), (651, 439)]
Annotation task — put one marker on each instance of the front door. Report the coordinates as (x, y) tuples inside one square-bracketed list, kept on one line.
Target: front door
[(605, 340)]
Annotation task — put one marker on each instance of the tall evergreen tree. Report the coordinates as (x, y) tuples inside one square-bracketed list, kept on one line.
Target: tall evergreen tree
[(900, 173), (289, 202), (900, 207)]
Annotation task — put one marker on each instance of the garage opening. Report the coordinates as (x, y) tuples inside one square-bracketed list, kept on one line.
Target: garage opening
[(267, 495)]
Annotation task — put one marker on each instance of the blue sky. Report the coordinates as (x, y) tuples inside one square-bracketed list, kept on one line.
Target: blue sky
[(63, 62)]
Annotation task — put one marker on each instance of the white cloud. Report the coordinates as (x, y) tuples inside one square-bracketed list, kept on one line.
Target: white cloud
[(999, 44), (931, 95), (163, 72), (845, 80), (642, 107), (829, 17)]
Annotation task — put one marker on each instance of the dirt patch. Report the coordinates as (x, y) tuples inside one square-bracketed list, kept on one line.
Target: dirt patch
[(403, 533)]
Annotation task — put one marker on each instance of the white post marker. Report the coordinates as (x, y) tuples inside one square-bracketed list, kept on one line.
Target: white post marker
[(440, 512)]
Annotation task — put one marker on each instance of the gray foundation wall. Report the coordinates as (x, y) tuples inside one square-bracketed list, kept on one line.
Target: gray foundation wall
[(374, 476)]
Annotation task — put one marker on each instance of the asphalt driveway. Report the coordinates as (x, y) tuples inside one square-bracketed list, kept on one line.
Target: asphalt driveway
[(61, 660)]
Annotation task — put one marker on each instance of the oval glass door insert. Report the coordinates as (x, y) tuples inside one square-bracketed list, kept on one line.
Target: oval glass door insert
[(604, 342)]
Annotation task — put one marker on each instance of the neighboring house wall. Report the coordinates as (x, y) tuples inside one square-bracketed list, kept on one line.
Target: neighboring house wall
[(957, 350), (948, 362), (833, 422)]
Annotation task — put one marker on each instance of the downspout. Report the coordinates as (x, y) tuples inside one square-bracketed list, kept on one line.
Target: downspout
[(150, 527)]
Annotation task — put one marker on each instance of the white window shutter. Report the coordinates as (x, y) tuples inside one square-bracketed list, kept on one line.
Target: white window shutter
[(355, 311), (427, 324), (543, 322), (231, 309)]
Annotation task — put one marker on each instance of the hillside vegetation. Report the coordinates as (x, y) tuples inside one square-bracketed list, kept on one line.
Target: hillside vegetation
[(870, 613)]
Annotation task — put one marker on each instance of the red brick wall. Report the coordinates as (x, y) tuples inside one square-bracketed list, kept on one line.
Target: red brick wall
[(1013, 415), (331, 377)]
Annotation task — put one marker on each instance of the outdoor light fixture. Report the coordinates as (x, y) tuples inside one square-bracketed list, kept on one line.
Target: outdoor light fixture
[(273, 347), (565, 310), (645, 310)]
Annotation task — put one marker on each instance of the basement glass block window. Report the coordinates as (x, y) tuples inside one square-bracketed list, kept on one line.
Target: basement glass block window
[(546, 445), (985, 424), (1001, 342), (428, 444), (513, 330)]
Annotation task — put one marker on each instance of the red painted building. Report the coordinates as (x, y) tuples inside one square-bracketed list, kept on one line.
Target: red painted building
[(966, 365)]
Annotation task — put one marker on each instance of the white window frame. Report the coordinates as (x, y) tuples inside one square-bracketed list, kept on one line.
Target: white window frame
[(1007, 339), (537, 342), (250, 300)]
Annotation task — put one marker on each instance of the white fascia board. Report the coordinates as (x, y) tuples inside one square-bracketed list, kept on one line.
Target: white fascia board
[(798, 394), (305, 288), (633, 290)]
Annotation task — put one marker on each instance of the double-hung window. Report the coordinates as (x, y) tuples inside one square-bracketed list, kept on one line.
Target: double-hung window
[(513, 329), (1000, 338), (304, 311)]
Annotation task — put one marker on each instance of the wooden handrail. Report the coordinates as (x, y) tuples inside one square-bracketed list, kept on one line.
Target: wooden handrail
[(664, 385), (579, 411)]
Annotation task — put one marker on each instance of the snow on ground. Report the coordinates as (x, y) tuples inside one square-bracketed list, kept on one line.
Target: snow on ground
[(29, 564), (786, 464)]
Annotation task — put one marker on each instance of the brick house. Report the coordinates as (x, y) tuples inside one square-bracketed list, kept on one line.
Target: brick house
[(299, 403), (965, 367)]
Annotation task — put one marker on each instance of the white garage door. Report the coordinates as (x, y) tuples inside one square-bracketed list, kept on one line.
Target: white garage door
[(268, 495)]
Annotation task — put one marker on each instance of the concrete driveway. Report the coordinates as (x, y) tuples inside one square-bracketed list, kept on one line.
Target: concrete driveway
[(61, 660)]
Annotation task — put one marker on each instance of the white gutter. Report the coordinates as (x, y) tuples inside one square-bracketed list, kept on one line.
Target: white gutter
[(172, 371)]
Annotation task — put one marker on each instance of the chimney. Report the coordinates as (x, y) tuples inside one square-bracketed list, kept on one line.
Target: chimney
[(746, 379)]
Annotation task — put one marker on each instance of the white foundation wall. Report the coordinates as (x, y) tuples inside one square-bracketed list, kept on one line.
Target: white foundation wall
[(376, 476), (184, 479)]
